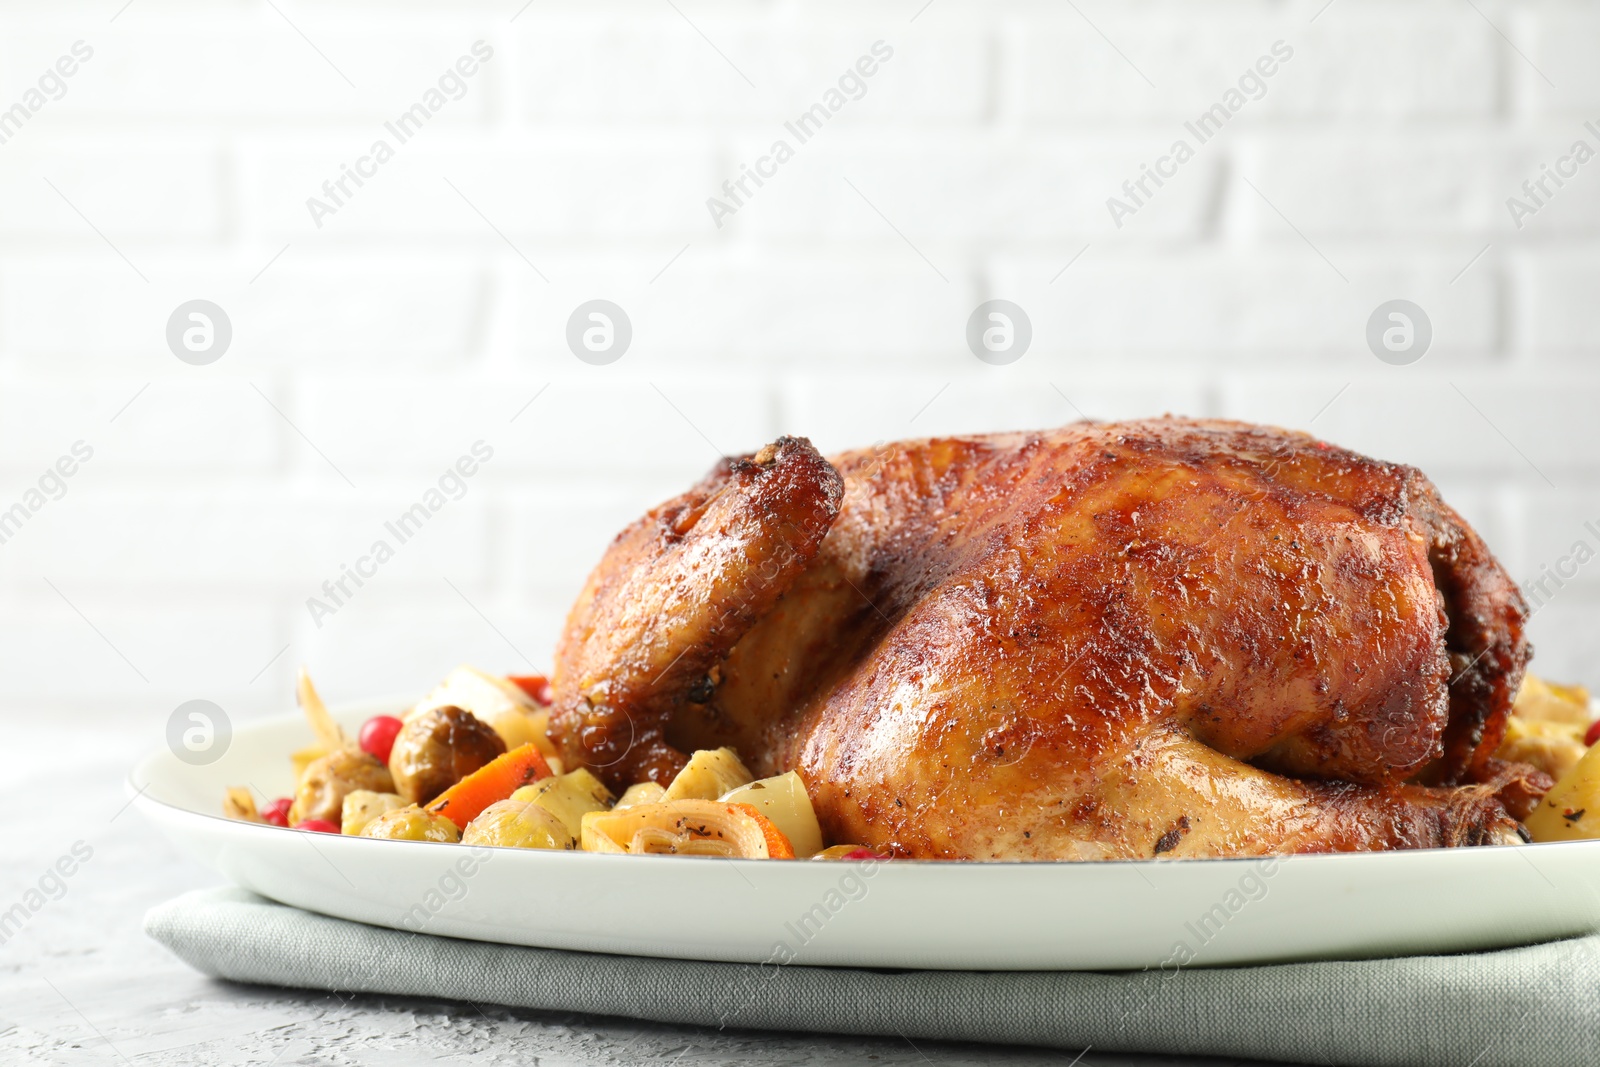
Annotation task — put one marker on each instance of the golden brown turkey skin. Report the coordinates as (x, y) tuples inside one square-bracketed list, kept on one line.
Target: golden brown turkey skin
[(676, 590), (1123, 640)]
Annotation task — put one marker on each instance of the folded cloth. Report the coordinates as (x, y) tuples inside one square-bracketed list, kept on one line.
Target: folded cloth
[(1526, 1007)]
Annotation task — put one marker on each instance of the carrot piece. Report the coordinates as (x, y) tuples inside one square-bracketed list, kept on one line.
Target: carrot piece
[(778, 846), (495, 780)]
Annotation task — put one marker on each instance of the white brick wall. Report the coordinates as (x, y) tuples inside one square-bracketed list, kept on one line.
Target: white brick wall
[(178, 162)]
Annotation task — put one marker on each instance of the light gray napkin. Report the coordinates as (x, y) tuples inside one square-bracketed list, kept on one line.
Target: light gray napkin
[(1525, 1007)]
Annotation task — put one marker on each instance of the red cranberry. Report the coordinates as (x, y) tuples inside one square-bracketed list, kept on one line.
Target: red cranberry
[(378, 734), (862, 854), (277, 813)]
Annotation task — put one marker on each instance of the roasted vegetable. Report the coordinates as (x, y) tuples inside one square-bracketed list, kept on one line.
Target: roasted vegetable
[(1571, 810), (784, 800), (1553, 747), (329, 779), (362, 806), (496, 700), (640, 793), (848, 852), (437, 748), (301, 758), (569, 797), (495, 780), (518, 824), (687, 827), (237, 803), (709, 774), (330, 735), (1544, 701), (536, 686), (412, 823), (1547, 726), (517, 728)]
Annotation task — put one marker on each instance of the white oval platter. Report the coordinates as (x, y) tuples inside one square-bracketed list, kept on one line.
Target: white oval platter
[(983, 916)]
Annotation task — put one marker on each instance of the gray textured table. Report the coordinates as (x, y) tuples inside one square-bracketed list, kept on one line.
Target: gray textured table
[(80, 983)]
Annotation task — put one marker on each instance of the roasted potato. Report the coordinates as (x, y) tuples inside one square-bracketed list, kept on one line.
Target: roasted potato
[(568, 797), (709, 774), (328, 779), (1571, 810), (784, 800), (363, 806), (438, 748), (640, 793)]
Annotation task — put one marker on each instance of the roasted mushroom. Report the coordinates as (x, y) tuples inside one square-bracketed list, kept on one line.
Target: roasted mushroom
[(437, 748), (328, 779)]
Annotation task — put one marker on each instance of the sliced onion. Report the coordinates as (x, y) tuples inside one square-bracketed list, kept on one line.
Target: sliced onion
[(685, 828)]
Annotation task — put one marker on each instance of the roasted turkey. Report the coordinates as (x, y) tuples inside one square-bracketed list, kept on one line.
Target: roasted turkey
[(1168, 637)]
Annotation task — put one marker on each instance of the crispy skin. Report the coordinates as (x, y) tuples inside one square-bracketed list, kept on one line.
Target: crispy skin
[(676, 591), (1168, 637)]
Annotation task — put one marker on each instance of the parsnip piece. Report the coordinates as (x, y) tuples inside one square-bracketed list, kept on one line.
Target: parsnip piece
[(568, 797), (784, 800), (363, 806), (709, 774), (1571, 810), (329, 734), (237, 803), (639, 793)]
